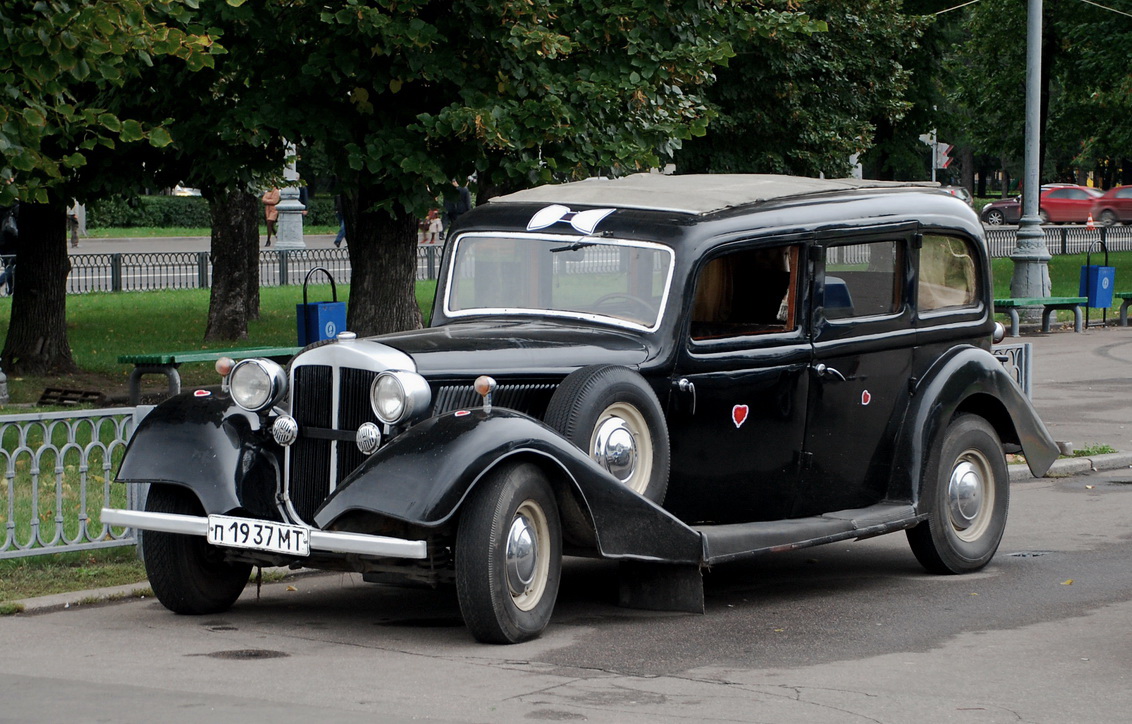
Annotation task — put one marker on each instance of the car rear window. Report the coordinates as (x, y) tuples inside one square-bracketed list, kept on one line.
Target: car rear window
[(947, 273)]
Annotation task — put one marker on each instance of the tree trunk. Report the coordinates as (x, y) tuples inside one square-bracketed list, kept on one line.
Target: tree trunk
[(234, 298), (383, 256), (37, 333)]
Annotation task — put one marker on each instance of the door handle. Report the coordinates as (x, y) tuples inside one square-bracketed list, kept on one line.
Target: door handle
[(823, 370)]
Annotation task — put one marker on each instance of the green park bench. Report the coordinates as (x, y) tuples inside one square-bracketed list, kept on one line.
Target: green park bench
[(166, 363), (1127, 299), (1011, 306)]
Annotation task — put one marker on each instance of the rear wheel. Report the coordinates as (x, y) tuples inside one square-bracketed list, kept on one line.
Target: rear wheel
[(995, 217), (967, 490), (187, 574), (509, 555)]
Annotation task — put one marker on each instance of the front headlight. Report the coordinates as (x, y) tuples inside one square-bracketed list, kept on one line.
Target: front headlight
[(398, 396), (257, 384)]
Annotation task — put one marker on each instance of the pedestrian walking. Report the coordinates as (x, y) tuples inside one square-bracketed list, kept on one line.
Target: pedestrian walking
[(338, 211), (456, 205), (271, 213), (9, 235)]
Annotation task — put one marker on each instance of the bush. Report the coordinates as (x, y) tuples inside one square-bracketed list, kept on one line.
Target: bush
[(151, 211), (180, 211)]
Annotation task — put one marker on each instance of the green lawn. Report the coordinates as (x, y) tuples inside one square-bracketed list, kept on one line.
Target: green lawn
[(138, 232), (1065, 275), (101, 326)]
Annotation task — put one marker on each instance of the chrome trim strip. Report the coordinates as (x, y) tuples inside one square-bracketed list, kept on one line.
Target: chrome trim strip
[(329, 541)]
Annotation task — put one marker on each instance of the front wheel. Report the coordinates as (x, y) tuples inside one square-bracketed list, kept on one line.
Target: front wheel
[(995, 217), (186, 573), (967, 490), (1108, 218), (509, 556)]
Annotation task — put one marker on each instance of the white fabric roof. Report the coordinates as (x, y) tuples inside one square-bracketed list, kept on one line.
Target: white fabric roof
[(690, 194)]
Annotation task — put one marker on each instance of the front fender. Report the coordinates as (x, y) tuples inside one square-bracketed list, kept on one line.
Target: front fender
[(968, 379), (423, 476), (211, 446)]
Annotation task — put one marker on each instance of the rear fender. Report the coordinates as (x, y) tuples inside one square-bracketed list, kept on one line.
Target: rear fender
[(969, 379), (209, 445), (423, 476)]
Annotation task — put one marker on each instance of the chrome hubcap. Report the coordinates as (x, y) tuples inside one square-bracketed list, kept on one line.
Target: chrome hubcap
[(527, 555), (966, 495), (970, 496), (621, 443), (522, 555), (615, 449)]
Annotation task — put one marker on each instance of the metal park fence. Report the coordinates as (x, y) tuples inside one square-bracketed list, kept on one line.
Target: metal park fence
[(1064, 239), (143, 271), (58, 468)]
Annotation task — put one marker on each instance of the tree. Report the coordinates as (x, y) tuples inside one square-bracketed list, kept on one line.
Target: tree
[(57, 61), (805, 103), (413, 94), (224, 142)]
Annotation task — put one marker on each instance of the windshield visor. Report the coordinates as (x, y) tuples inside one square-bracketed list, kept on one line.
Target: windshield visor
[(610, 281)]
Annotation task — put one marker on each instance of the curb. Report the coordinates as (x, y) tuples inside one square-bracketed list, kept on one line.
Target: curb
[(1066, 467), (125, 592)]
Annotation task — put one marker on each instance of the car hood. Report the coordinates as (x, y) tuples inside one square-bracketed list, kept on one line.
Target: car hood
[(462, 349)]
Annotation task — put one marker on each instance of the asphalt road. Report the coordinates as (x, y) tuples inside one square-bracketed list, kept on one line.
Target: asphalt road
[(853, 632)]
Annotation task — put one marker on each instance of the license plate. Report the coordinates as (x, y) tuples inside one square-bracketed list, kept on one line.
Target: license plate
[(260, 535)]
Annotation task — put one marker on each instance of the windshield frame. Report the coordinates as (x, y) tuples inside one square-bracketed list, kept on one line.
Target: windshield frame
[(558, 240)]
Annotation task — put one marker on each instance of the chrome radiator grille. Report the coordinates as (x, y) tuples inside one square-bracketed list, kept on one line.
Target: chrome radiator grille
[(311, 473)]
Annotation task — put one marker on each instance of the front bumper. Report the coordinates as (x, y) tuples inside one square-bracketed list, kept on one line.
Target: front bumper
[(320, 540)]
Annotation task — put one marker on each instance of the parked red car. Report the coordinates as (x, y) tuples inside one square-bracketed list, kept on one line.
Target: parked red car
[(1057, 204), (1115, 206)]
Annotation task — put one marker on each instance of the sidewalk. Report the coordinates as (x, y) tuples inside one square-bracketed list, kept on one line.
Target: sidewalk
[(91, 245)]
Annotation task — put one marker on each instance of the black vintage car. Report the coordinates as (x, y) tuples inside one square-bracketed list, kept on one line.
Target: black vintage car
[(670, 371)]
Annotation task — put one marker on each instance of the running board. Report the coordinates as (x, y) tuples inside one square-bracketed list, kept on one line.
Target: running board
[(723, 543)]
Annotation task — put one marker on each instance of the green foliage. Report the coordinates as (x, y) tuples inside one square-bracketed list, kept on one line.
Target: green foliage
[(180, 211), (159, 211), (58, 59), (803, 103), (1086, 87)]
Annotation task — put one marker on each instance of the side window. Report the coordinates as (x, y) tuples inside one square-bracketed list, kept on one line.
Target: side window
[(947, 273), (862, 280), (753, 291), (1125, 193)]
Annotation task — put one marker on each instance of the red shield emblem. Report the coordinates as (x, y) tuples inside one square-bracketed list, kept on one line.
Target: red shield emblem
[(739, 415), (866, 398)]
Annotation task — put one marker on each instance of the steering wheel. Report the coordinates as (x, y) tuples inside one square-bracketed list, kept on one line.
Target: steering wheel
[(648, 309)]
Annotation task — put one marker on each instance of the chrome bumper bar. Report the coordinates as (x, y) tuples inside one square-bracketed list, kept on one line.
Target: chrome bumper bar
[(320, 540)]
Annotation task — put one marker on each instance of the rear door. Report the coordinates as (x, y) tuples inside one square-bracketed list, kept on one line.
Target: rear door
[(863, 339)]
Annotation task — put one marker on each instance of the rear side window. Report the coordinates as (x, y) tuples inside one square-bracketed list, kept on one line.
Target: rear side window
[(862, 280), (947, 276)]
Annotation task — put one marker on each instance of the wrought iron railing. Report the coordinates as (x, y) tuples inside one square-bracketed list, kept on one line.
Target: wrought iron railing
[(58, 468), (140, 271)]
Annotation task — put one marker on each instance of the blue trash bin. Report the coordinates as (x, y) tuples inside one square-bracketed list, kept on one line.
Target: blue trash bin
[(319, 320), (1097, 283)]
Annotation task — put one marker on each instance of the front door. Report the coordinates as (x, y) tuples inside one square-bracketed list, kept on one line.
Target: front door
[(738, 412), (859, 377)]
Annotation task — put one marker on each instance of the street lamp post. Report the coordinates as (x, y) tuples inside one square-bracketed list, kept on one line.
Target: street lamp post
[(1031, 269), (290, 231)]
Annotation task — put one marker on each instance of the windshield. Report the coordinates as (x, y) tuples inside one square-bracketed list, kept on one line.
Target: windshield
[(623, 282)]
